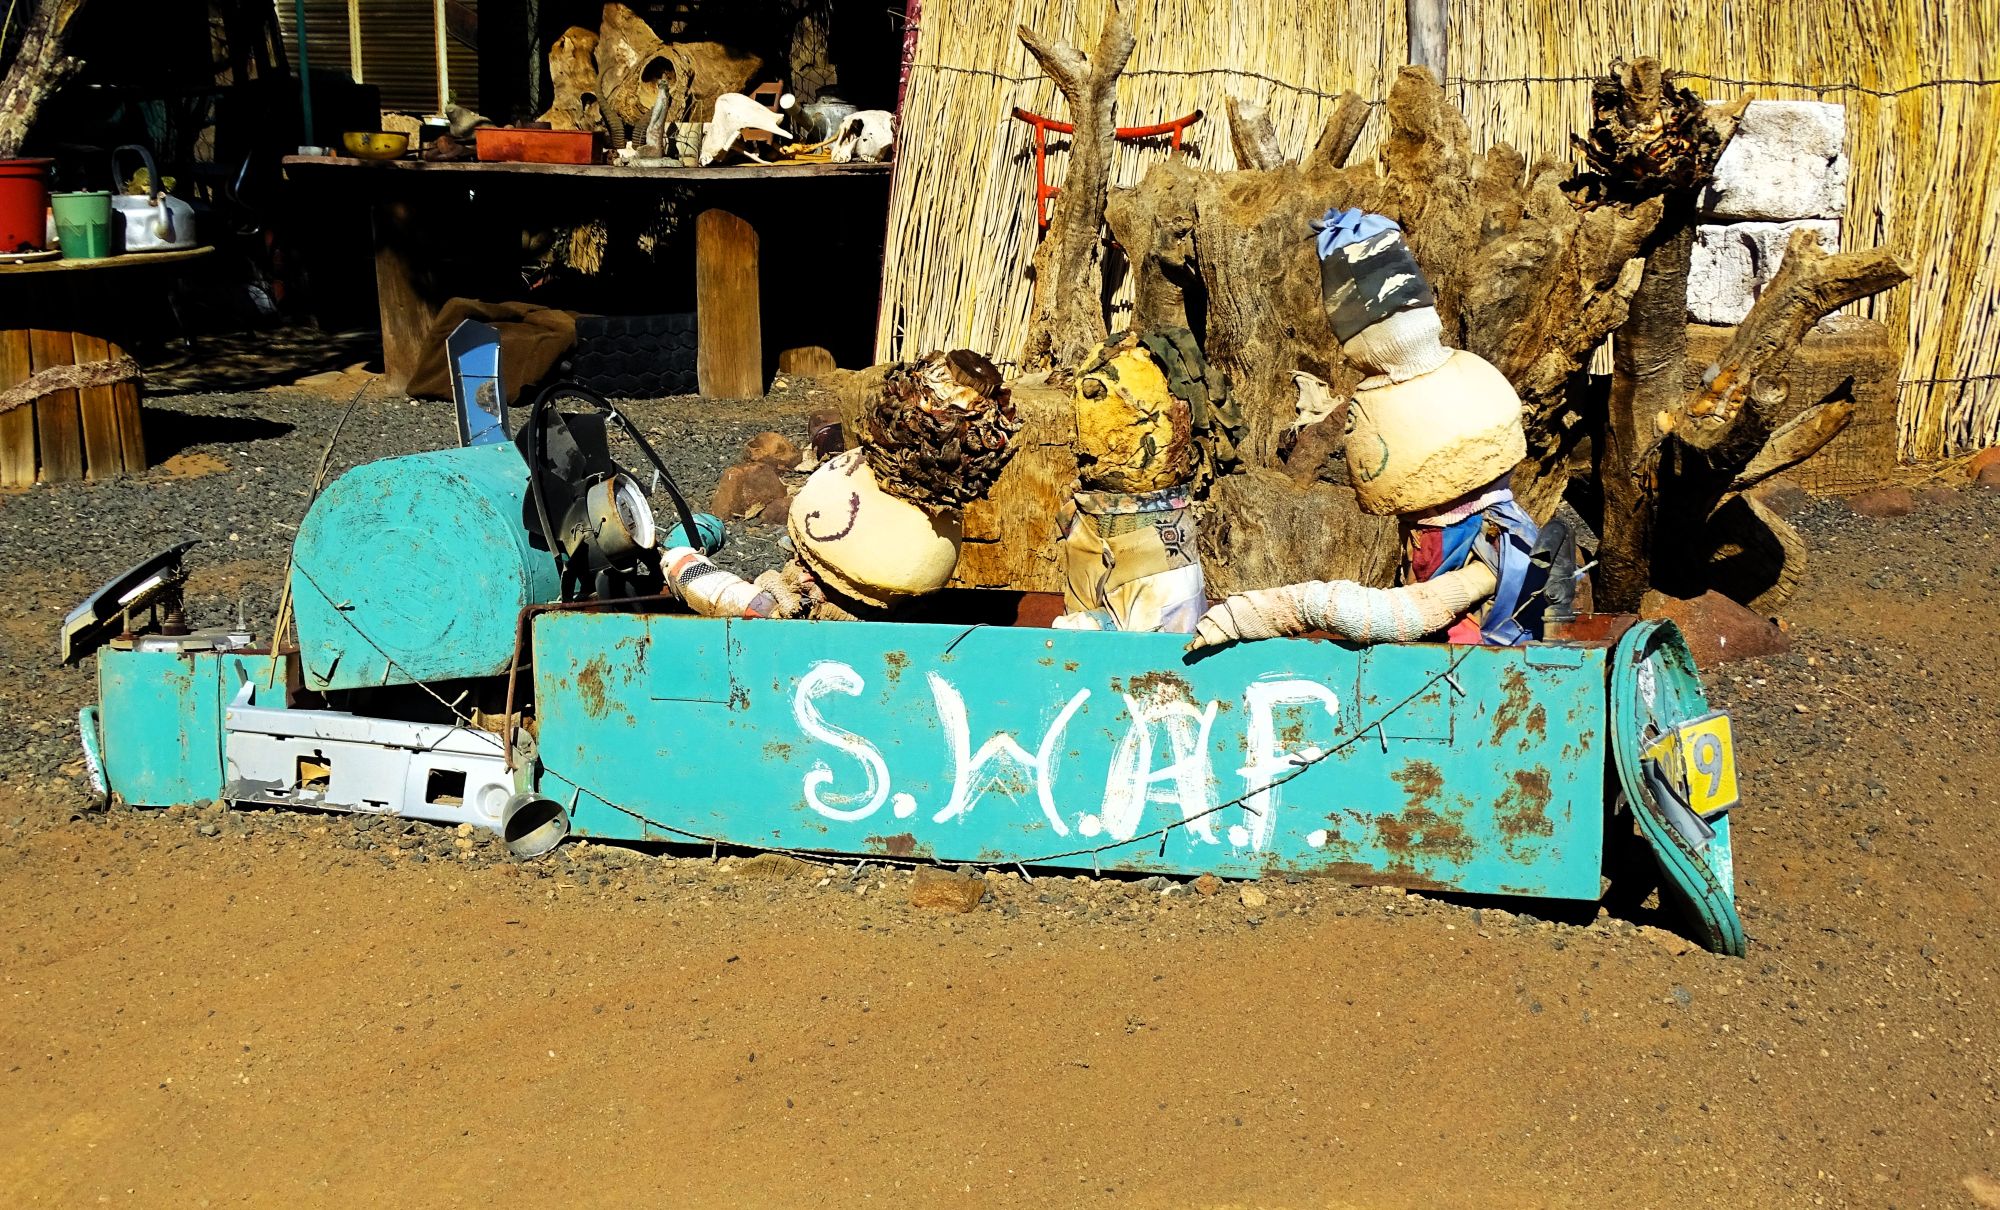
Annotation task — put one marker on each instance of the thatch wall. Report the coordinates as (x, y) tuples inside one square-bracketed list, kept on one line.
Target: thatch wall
[(1920, 78)]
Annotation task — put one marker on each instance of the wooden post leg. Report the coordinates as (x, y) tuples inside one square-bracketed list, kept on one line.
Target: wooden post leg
[(103, 458), (730, 357), (406, 313), (58, 424), (17, 426)]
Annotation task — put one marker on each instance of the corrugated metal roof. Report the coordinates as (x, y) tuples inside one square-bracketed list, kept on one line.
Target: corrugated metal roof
[(398, 51)]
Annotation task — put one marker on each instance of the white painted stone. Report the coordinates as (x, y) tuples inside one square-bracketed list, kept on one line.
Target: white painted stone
[(1786, 161), (1733, 263)]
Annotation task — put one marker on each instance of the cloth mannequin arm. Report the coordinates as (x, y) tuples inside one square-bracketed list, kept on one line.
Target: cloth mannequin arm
[(1353, 611)]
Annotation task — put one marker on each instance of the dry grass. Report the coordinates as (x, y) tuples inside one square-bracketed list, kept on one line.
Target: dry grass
[(1925, 173)]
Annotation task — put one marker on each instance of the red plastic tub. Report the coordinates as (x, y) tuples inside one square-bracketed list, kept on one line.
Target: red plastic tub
[(522, 145), (24, 205)]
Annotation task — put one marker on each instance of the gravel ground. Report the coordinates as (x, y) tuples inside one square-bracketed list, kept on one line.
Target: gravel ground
[(1271, 1043)]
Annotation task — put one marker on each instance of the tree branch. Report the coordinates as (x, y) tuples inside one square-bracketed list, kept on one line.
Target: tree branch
[(1255, 139), (1343, 130), (1809, 286)]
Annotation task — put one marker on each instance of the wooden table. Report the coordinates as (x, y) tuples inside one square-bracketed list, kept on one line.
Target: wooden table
[(728, 302), (60, 313)]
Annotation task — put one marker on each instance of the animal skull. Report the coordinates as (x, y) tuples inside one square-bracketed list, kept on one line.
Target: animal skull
[(734, 114), (868, 136)]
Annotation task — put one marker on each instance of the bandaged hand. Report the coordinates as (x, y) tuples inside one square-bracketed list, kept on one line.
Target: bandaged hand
[(1342, 607)]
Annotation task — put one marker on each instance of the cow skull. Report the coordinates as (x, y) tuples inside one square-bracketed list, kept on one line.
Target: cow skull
[(867, 136), (734, 114)]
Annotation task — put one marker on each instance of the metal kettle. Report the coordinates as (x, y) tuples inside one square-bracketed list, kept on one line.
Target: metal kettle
[(152, 221)]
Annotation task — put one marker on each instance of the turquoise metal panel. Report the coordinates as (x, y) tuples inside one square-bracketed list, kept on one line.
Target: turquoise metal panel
[(1654, 689), (416, 569), (1471, 769), (160, 721)]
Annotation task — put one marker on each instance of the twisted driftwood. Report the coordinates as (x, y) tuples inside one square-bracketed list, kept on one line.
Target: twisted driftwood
[(1068, 315)]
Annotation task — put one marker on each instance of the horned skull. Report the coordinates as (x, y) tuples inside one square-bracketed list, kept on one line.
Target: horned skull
[(734, 114), (866, 136)]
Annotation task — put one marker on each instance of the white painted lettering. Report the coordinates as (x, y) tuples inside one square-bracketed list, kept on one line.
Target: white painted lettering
[(973, 773), (831, 676), (1267, 762)]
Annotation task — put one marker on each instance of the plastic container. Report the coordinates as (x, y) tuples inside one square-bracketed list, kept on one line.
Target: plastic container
[(520, 145), (24, 205), (83, 224)]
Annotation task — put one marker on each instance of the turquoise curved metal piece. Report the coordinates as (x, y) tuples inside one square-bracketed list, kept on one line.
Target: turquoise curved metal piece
[(1654, 691), (1478, 769), (416, 569)]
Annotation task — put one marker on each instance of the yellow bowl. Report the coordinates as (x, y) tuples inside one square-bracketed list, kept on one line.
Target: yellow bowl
[(375, 145)]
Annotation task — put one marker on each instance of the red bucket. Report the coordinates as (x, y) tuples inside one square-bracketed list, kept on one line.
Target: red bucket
[(24, 205)]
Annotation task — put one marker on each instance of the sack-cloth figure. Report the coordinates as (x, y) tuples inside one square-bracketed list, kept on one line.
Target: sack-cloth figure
[(1432, 435), (1151, 420), (880, 524)]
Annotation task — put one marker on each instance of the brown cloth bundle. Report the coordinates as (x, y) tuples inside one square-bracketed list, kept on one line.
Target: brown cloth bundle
[(532, 340)]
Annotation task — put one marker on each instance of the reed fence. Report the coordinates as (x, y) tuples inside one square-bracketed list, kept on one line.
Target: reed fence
[(1920, 79)]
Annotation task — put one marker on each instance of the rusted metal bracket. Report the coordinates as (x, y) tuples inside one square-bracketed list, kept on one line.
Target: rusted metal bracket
[(1043, 126)]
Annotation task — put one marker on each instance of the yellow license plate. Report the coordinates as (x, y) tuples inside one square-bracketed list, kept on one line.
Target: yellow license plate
[(1707, 762)]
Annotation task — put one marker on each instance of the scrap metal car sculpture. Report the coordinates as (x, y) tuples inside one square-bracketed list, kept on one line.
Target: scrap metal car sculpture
[(466, 655)]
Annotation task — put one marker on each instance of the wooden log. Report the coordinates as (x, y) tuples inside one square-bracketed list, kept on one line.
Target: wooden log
[(17, 426), (806, 361), (1343, 130), (1251, 132), (103, 457), (1428, 25), (1011, 536), (58, 424), (1260, 528), (1067, 313), (729, 359)]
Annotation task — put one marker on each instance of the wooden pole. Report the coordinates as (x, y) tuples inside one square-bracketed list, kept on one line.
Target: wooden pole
[(1430, 33), (305, 71), (443, 57), (354, 40)]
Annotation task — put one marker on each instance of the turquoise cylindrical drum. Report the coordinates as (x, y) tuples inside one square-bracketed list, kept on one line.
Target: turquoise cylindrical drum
[(417, 569)]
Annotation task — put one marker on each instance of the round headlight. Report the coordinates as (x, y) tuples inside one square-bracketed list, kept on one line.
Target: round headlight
[(621, 522)]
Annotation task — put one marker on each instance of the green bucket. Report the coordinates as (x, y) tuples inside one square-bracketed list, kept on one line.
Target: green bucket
[(83, 224)]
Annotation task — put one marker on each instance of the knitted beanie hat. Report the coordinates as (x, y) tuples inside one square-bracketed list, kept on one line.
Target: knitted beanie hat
[(1377, 300)]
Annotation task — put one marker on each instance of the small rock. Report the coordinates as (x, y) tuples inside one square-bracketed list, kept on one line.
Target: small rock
[(773, 866), (1989, 478), (1207, 884), (208, 829), (1682, 996), (1251, 897), (774, 450), (1154, 885), (752, 487), (945, 892), (1937, 496), (1717, 629), (1884, 502), (1977, 464)]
